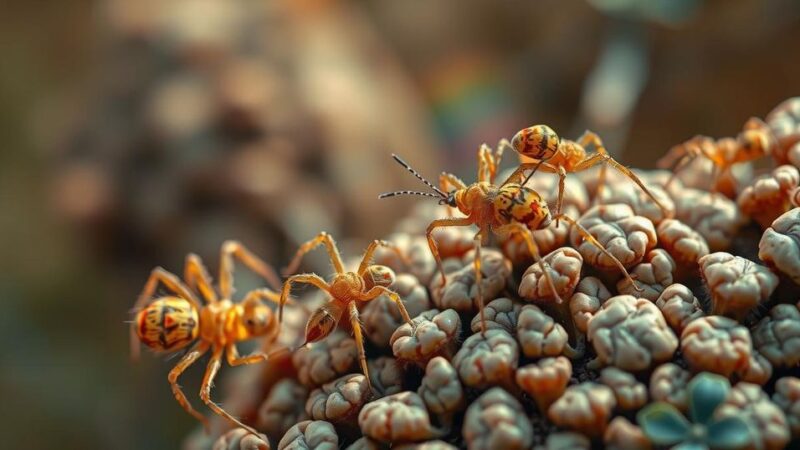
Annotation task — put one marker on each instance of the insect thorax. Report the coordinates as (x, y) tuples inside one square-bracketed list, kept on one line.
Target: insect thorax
[(475, 199), (167, 324), (346, 286)]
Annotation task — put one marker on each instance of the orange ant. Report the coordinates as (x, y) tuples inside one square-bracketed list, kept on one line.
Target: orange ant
[(505, 209), (541, 148), (172, 322), (367, 283), (753, 142)]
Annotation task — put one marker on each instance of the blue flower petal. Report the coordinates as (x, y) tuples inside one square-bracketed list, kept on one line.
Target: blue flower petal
[(706, 392), (663, 424), (691, 445), (729, 433)]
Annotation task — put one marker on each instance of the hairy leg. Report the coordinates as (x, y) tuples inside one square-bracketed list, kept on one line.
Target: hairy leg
[(527, 235), (205, 391), (685, 153), (562, 177), (587, 138), (265, 294), (590, 137), (232, 354), (601, 158), (190, 358), (330, 245), (235, 250), (308, 278), (588, 236), (498, 156), (373, 246), (440, 223), (449, 182), (380, 290), (197, 277), (479, 280), (355, 322), (484, 163)]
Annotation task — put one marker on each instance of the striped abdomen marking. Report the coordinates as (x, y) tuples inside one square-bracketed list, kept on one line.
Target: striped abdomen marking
[(167, 324), (538, 142)]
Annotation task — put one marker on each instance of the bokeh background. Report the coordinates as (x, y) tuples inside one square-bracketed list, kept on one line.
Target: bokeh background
[(133, 132)]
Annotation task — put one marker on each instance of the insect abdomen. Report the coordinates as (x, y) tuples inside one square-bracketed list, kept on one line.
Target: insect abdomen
[(520, 204), (167, 324)]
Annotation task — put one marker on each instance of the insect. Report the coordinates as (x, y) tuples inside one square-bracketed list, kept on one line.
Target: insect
[(542, 149), (753, 142), (345, 289), (507, 209), (173, 322)]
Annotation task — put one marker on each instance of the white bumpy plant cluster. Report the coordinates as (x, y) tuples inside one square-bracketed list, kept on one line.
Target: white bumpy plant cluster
[(718, 286)]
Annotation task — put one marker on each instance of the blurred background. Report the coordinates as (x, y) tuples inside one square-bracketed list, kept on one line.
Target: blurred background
[(133, 132)]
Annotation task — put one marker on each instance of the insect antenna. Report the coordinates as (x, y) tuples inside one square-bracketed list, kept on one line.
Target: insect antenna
[(420, 177), (532, 172), (395, 193)]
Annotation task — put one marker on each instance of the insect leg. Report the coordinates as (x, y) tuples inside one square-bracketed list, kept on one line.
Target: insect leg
[(479, 280), (373, 246), (527, 235), (308, 278), (205, 390), (588, 236), (187, 360), (440, 223), (380, 290), (234, 249), (197, 277), (330, 245), (357, 334)]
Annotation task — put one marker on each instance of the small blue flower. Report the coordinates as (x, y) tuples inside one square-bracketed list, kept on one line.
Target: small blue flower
[(664, 425)]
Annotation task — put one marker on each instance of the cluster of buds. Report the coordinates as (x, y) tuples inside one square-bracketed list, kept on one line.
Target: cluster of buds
[(569, 362)]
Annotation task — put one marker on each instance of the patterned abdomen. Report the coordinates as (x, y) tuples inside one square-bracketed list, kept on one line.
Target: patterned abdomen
[(521, 204), (167, 324), (539, 142)]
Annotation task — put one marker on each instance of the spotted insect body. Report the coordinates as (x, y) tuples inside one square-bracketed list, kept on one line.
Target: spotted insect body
[(539, 142), (345, 290), (168, 324), (521, 204), (511, 208), (755, 141), (211, 323)]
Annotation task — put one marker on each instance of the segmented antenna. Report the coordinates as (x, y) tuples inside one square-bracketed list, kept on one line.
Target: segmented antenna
[(396, 193), (420, 177)]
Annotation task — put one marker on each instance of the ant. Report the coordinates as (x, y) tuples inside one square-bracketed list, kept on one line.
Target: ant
[(753, 142), (541, 148), (173, 322), (507, 209), (367, 283)]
